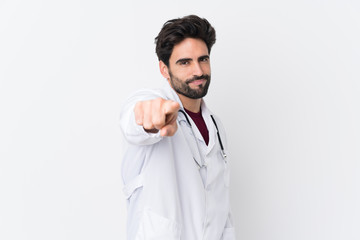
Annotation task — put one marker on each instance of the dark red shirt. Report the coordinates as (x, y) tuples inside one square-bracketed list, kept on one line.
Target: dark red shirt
[(200, 123)]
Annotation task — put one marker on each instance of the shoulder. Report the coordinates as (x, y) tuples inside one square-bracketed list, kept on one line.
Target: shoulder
[(146, 94)]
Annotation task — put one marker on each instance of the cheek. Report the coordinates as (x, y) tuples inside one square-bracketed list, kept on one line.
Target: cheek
[(183, 74), (207, 69)]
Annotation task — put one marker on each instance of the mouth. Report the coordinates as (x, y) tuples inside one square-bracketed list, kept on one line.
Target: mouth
[(198, 82)]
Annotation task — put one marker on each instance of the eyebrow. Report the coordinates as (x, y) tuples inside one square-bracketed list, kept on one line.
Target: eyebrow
[(190, 59)]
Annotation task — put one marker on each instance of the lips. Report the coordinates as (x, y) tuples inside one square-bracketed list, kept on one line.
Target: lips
[(198, 81)]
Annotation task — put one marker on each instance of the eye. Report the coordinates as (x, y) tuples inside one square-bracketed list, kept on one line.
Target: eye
[(184, 62), (204, 59)]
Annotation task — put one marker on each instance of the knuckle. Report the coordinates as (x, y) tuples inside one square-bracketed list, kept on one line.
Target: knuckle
[(137, 107), (158, 123), (138, 120), (158, 101)]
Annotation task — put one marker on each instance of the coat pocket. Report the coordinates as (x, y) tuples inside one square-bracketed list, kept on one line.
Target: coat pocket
[(228, 234), (155, 227)]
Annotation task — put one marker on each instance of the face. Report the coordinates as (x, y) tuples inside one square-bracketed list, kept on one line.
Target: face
[(189, 70)]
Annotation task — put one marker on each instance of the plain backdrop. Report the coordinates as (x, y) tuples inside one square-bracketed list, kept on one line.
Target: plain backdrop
[(285, 82)]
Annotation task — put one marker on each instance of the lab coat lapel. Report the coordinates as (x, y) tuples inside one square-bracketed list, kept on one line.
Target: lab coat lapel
[(189, 137), (210, 126)]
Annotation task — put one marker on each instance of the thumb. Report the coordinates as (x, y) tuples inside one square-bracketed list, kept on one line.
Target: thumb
[(169, 130)]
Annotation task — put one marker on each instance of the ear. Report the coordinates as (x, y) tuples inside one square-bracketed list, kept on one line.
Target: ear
[(164, 70)]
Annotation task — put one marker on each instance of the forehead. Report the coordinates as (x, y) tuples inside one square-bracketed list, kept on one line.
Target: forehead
[(189, 48)]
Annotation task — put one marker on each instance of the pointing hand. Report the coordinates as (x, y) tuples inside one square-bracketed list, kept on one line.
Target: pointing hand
[(157, 115)]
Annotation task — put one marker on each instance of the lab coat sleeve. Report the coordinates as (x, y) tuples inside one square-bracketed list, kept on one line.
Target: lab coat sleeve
[(134, 133), (229, 231)]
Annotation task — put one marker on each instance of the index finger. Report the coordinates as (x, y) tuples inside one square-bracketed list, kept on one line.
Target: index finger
[(171, 107)]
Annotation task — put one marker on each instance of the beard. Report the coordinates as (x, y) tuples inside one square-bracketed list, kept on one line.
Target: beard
[(183, 88)]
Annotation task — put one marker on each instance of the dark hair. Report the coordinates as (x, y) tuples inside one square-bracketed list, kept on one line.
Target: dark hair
[(176, 30)]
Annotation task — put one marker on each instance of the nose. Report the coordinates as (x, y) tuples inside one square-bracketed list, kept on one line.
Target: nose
[(197, 69)]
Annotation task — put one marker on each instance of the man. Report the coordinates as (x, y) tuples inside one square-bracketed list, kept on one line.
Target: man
[(175, 169)]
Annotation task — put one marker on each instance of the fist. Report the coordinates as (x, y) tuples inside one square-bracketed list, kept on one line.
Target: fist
[(157, 115)]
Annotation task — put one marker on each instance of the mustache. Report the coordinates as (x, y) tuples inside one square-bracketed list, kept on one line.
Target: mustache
[(205, 76)]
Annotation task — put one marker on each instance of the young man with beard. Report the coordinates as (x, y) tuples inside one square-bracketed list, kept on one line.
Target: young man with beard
[(175, 170)]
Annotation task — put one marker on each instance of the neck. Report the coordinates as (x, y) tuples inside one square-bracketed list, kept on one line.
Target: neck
[(193, 105)]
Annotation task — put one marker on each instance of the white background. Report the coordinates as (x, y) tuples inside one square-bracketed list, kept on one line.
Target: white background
[(285, 82)]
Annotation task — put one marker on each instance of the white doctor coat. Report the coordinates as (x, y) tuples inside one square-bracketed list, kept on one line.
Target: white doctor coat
[(170, 197)]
